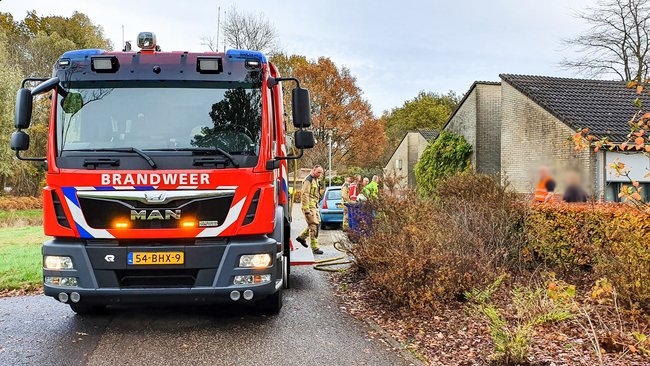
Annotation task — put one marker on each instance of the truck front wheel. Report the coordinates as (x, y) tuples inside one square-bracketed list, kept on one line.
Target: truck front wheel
[(272, 304)]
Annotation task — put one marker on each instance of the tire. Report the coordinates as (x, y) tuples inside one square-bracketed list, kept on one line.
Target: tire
[(87, 309), (323, 226), (272, 304)]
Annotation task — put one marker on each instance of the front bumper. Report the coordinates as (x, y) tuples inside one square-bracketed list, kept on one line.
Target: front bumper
[(104, 276)]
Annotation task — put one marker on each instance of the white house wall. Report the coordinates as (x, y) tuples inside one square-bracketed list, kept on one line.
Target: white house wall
[(488, 120), (531, 137), (638, 165)]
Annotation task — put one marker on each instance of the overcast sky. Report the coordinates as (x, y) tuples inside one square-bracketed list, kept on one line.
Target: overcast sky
[(394, 48)]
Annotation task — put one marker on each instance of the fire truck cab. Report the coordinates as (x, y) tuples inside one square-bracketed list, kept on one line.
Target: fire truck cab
[(166, 176)]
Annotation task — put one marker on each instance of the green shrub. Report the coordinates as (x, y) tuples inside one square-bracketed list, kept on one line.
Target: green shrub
[(449, 154)]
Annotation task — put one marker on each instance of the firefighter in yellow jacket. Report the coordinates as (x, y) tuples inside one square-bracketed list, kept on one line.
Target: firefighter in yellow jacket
[(309, 198)]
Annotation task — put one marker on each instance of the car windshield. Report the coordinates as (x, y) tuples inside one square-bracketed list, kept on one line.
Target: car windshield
[(334, 194), (224, 116)]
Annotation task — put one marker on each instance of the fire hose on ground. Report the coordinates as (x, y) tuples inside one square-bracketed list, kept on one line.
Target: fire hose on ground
[(343, 246)]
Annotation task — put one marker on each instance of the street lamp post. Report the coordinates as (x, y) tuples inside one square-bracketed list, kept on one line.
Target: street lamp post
[(329, 142)]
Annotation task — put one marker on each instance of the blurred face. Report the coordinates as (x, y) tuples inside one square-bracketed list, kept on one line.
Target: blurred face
[(543, 172), (572, 178), (365, 181), (316, 173)]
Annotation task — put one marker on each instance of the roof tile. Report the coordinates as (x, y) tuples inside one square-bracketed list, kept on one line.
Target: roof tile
[(603, 106), (429, 135)]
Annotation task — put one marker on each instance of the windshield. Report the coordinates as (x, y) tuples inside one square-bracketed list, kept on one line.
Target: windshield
[(334, 194), (196, 115)]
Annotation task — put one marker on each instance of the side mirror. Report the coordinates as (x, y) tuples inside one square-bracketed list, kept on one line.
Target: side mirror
[(72, 103), (304, 139), (301, 108), (23, 111), (46, 86), (19, 141)]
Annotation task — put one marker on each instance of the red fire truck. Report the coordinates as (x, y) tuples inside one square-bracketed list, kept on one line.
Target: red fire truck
[(166, 176)]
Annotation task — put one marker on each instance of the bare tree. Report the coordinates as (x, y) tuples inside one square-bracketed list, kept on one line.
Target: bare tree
[(210, 42), (249, 31), (617, 42)]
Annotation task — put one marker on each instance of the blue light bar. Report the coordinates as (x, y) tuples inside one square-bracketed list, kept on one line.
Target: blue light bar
[(243, 55), (77, 54)]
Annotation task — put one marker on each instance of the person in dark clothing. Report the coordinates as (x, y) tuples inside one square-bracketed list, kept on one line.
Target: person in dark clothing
[(574, 191)]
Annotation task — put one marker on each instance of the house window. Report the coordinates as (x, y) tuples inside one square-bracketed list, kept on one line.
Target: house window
[(398, 164), (612, 190)]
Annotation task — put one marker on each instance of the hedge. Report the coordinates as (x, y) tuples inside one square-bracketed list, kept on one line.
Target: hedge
[(611, 239), (8, 203)]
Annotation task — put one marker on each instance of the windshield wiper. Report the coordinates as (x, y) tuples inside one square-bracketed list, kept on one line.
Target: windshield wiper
[(123, 149), (206, 150)]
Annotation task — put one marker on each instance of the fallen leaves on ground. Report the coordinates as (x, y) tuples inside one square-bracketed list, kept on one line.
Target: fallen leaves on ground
[(450, 335), (28, 290)]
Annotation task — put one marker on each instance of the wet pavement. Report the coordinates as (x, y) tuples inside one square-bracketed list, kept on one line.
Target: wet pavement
[(310, 330)]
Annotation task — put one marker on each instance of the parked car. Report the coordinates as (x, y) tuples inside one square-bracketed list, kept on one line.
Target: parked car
[(331, 207)]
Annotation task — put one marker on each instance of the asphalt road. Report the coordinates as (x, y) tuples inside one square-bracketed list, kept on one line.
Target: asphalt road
[(311, 330)]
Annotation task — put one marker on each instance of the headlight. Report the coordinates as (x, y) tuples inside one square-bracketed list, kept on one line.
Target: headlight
[(255, 260), (252, 279), (57, 262), (61, 281)]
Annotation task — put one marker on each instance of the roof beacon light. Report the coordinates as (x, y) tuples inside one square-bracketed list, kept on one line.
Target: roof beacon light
[(243, 55), (147, 40), (252, 64)]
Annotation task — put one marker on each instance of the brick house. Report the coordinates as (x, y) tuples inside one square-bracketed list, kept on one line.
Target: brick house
[(402, 163), (477, 118), (523, 122)]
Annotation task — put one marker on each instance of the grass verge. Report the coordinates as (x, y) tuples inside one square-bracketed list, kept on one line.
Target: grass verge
[(31, 217), (21, 264)]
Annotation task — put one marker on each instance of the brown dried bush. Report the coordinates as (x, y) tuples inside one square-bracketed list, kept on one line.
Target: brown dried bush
[(422, 250), (8, 203)]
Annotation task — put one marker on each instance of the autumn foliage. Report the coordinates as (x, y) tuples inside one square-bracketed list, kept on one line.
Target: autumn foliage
[(425, 250), (339, 109), (8, 203), (612, 239), (638, 140)]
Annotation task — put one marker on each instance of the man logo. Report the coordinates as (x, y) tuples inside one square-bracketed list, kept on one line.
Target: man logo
[(155, 197), (109, 258), (155, 215)]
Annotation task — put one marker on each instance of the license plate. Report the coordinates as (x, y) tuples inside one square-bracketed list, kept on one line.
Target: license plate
[(155, 258), (339, 205)]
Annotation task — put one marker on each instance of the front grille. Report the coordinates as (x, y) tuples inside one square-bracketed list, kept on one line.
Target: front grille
[(161, 278), (101, 212)]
